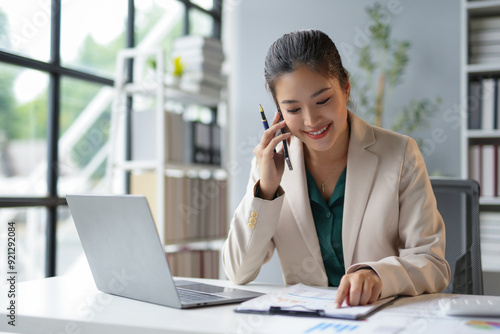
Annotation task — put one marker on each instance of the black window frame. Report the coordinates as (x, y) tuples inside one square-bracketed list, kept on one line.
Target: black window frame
[(55, 71)]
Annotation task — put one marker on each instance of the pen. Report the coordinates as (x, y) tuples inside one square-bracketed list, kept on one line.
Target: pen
[(264, 119)]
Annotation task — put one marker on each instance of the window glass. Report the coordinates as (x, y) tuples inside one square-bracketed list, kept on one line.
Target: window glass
[(29, 231), (200, 23), (70, 256), (23, 127), (205, 4), (92, 32), (158, 23), (25, 29), (85, 121)]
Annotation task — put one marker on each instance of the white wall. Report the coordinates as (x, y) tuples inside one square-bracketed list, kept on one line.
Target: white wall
[(432, 27)]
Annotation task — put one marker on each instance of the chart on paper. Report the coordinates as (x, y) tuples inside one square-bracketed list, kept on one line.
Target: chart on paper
[(331, 327)]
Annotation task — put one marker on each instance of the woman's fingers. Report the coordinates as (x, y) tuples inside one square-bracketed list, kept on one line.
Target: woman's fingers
[(270, 133), (359, 288)]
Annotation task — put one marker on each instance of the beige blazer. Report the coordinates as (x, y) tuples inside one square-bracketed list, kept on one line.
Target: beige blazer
[(390, 221)]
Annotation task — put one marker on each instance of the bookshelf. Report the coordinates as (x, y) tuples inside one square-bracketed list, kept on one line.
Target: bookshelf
[(187, 199), (480, 139)]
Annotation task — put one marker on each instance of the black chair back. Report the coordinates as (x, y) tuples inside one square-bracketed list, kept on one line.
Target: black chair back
[(458, 203)]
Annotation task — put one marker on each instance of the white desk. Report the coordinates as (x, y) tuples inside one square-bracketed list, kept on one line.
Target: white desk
[(73, 305)]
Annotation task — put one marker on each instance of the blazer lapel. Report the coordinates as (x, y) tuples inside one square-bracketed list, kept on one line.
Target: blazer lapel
[(361, 167), (295, 183)]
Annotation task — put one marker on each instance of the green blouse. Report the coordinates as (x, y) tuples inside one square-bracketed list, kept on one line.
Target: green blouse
[(328, 222)]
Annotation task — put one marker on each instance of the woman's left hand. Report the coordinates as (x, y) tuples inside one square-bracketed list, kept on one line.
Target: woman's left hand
[(359, 288)]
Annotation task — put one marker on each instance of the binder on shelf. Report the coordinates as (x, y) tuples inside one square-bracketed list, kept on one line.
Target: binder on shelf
[(215, 145), (484, 104), (197, 142), (488, 172), (488, 103), (474, 104), (484, 167)]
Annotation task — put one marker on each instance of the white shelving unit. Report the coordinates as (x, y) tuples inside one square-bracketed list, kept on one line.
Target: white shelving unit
[(155, 86), (471, 10), (489, 205)]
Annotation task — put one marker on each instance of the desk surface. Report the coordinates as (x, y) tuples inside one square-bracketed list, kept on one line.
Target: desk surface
[(70, 304)]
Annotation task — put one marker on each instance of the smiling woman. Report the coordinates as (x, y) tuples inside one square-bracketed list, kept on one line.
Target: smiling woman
[(358, 212)]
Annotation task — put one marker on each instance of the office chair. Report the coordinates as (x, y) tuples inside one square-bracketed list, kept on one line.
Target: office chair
[(458, 203)]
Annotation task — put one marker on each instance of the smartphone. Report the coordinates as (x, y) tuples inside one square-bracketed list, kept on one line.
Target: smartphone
[(285, 144)]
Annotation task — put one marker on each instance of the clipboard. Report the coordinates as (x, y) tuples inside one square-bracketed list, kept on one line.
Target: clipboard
[(305, 301)]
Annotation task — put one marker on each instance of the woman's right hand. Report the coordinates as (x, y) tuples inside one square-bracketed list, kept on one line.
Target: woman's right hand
[(271, 164)]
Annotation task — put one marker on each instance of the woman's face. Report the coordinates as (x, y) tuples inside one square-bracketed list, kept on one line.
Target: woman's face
[(314, 107)]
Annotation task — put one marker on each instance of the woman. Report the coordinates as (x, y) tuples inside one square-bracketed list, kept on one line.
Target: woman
[(357, 211)]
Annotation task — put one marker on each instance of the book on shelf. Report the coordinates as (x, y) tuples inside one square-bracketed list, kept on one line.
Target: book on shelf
[(474, 104), (484, 23), (215, 147), (201, 88), (195, 55), (484, 168), (202, 66), (484, 104), (477, 37), (207, 77), (486, 49), (484, 59)]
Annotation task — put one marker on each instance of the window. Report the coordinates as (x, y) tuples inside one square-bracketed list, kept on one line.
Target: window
[(57, 63)]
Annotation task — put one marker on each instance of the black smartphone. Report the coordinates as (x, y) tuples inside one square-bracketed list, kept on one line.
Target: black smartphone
[(285, 144)]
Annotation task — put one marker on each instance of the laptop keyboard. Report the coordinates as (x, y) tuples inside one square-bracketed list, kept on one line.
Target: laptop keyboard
[(189, 296)]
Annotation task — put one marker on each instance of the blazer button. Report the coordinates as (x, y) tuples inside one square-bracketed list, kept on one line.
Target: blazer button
[(251, 226), (252, 220), (254, 214)]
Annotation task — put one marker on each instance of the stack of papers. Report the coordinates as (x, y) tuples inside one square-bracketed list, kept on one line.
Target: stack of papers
[(303, 300)]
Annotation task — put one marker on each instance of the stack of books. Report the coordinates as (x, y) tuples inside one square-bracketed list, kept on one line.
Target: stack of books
[(483, 104), (202, 59), (484, 40), (490, 235)]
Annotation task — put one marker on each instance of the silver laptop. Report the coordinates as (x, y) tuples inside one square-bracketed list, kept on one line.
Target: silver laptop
[(127, 259)]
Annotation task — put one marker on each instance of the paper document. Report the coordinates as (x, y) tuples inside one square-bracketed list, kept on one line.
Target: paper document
[(303, 300)]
